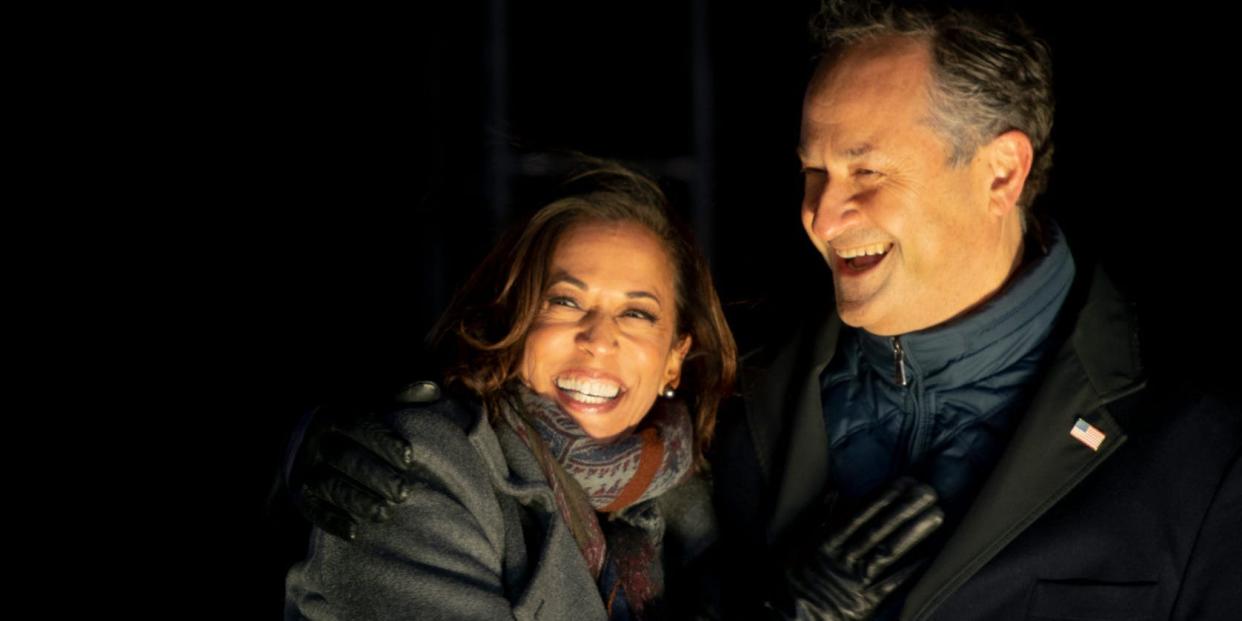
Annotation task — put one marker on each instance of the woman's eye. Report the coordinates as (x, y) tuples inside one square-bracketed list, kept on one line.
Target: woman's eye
[(561, 300), (865, 172), (638, 314)]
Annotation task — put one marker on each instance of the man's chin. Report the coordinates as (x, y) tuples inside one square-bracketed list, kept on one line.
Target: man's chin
[(853, 314), (856, 307), (865, 315)]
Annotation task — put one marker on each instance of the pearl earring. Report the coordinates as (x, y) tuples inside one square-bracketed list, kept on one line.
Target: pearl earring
[(668, 392)]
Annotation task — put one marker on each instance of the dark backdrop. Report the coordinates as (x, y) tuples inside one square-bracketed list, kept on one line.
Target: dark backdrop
[(361, 163)]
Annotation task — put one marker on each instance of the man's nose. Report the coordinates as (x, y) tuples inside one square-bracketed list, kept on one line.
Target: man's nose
[(598, 334), (832, 206)]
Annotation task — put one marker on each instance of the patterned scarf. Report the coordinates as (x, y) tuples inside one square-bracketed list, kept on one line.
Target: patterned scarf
[(589, 476)]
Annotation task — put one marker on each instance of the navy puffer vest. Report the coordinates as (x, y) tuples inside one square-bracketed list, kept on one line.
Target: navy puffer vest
[(939, 404)]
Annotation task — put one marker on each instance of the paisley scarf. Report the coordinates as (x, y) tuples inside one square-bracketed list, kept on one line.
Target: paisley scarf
[(607, 476)]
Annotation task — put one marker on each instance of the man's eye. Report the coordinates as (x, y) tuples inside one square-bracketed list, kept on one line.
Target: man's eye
[(865, 172)]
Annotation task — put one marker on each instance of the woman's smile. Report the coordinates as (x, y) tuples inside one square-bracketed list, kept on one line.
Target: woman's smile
[(588, 392)]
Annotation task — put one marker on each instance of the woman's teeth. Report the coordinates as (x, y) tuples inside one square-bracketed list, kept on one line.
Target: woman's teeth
[(590, 391)]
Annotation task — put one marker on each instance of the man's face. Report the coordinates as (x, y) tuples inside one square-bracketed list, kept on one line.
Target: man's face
[(910, 239)]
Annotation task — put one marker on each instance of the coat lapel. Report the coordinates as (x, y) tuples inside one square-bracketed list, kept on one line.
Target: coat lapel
[(794, 456), (1043, 462)]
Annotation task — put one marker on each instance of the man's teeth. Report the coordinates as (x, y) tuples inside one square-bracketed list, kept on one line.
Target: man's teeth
[(589, 390), (860, 251)]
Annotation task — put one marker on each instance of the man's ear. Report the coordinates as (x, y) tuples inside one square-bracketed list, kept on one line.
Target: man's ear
[(672, 374), (1009, 157)]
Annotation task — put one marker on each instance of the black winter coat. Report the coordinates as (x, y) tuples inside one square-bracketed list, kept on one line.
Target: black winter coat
[(1148, 526)]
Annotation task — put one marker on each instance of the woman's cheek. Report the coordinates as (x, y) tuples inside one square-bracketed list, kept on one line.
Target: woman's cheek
[(536, 356)]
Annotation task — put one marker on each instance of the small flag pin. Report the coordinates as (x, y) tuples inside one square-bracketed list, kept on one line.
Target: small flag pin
[(1085, 433)]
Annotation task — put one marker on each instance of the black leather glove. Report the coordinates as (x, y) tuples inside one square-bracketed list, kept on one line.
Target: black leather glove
[(349, 465), (848, 575)]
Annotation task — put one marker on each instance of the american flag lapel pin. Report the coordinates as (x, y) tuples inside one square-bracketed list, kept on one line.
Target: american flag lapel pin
[(1087, 434)]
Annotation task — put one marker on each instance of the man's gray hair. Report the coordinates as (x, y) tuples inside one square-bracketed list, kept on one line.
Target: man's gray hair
[(991, 74)]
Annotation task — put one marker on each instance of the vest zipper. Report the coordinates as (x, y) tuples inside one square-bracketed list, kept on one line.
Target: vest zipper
[(899, 359), (914, 429)]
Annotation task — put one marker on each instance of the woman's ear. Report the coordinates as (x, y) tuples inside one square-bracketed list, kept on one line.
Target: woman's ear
[(672, 373)]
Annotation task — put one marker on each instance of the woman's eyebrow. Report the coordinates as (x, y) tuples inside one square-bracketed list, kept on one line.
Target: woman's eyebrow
[(565, 277), (643, 294), (562, 276)]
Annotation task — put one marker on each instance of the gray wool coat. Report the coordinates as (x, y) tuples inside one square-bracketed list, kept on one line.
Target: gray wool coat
[(482, 538)]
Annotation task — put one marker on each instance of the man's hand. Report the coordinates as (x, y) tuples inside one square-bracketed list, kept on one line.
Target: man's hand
[(350, 465), (847, 576)]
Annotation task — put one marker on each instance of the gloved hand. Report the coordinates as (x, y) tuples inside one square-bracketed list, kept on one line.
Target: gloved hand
[(349, 465), (847, 576)]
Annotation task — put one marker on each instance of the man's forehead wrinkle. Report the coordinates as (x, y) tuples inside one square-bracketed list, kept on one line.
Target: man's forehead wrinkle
[(840, 140)]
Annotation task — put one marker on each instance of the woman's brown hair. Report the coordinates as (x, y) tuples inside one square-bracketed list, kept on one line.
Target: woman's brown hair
[(482, 333)]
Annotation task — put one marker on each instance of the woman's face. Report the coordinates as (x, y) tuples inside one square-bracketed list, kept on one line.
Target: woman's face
[(604, 343)]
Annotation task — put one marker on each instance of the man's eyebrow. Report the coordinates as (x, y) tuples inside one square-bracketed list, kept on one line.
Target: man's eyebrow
[(566, 277), (857, 151), (851, 153)]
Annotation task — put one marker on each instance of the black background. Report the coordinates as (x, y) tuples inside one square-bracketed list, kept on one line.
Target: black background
[(346, 169)]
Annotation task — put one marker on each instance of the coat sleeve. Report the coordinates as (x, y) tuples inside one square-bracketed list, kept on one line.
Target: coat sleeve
[(1212, 586), (438, 557)]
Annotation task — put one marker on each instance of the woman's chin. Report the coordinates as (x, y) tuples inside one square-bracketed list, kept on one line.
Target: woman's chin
[(602, 424)]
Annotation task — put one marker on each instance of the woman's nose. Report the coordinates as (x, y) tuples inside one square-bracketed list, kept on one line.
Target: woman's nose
[(598, 334)]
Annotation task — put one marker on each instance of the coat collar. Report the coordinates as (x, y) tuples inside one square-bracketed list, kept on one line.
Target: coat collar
[(516, 473)]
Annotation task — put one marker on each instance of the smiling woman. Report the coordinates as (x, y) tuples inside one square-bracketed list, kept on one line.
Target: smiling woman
[(585, 359), (599, 289), (603, 345)]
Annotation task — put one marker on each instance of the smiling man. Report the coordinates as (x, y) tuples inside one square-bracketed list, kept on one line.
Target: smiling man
[(967, 350), (913, 237)]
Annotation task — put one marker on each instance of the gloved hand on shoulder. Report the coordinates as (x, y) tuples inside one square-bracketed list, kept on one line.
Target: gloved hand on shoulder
[(348, 465)]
